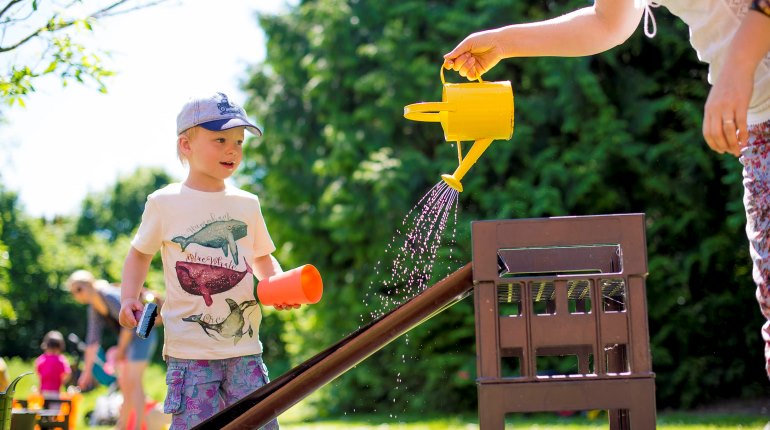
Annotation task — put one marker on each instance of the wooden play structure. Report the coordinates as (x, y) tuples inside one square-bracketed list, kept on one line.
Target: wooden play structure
[(545, 290), (563, 287)]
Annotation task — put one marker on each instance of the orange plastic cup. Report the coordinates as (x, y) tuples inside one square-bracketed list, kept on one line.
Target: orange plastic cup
[(300, 286)]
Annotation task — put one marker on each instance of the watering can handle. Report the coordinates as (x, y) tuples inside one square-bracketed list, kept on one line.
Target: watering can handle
[(426, 111), (429, 111), (443, 81)]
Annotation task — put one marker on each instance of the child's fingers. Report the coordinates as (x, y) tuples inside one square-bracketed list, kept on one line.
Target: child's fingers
[(130, 314), (136, 313), (124, 320), (286, 306)]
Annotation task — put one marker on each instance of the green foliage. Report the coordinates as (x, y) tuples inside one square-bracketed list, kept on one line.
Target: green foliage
[(41, 255), (118, 210), (6, 308), (39, 304), (339, 167)]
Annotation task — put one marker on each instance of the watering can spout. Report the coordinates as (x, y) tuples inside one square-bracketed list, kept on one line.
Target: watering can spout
[(477, 149), (452, 182)]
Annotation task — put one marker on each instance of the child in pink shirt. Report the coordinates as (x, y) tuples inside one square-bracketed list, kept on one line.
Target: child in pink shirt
[(52, 367)]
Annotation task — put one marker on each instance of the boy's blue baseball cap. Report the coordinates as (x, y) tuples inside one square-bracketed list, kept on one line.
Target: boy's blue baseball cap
[(215, 113)]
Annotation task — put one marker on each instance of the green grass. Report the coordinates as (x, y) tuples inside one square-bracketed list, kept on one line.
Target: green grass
[(303, 417), (666, 421), (544, 422)]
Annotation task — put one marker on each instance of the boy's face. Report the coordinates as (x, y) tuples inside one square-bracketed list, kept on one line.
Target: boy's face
[(213, 156)]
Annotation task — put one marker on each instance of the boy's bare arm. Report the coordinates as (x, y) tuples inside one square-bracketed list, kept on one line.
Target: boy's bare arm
[(266, 266), (135, 270), (586, 31)]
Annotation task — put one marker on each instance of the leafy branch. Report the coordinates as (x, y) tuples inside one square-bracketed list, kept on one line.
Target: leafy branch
[(62, 55)]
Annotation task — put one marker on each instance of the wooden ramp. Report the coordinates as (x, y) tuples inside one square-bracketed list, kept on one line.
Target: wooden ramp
[(271, 400)]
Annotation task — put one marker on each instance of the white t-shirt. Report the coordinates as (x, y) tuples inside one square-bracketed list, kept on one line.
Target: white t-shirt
[(208, 242), (713, 23)]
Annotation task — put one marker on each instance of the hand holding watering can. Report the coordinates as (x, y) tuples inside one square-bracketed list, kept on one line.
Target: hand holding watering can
[(292, 288), (479, 111)]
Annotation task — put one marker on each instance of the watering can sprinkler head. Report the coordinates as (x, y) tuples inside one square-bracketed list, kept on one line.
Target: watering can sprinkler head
[(452, 182), (479, 111)]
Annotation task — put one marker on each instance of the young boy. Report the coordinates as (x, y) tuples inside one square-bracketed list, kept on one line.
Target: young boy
[(212, 238)]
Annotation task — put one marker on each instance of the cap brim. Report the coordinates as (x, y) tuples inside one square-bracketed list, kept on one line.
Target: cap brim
[(224, 124)]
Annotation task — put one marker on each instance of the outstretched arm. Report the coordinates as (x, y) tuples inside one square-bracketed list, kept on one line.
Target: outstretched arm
[(586, 31)]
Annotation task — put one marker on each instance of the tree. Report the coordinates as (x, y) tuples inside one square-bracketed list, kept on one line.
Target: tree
[(6, 307), (118, 210), (52, 27), (34, 288), (38, 255), (339, 167)]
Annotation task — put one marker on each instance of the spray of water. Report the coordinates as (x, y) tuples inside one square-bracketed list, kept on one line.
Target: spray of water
[(407, 266)]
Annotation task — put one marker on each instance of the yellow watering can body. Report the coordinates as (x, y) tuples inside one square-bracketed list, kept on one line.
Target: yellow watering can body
[(478, 111)]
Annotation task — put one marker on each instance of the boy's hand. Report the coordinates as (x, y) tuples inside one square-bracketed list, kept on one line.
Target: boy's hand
[(130, 312), (286, 307)]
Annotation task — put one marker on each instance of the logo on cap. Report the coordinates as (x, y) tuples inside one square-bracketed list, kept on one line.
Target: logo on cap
[(225, 107)]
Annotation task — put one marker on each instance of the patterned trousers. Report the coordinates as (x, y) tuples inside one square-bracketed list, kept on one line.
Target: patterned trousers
[(756, 184)]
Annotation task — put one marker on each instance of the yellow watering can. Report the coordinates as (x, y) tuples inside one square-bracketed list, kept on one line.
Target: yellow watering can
[(479, 111)]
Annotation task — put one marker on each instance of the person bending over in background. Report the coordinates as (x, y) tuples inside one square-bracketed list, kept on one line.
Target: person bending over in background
[(134, 353)]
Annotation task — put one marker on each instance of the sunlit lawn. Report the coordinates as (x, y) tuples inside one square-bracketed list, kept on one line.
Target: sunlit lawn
[(678, 421), (302, 417)]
